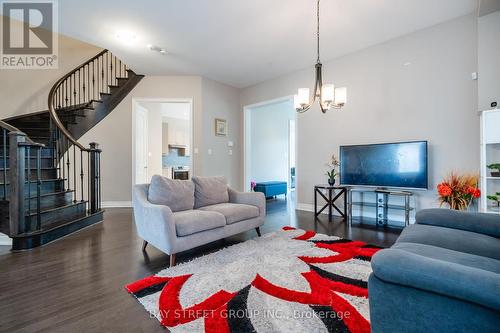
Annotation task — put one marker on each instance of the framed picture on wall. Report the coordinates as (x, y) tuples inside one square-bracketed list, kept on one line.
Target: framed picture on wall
[(220, 127)]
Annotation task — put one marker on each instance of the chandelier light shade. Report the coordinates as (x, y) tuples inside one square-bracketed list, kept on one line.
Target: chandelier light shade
[(327, 95)]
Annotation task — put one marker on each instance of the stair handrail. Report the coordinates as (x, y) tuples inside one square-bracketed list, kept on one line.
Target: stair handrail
[(11, 128), (79, 89), (52, 110), (20, 146)]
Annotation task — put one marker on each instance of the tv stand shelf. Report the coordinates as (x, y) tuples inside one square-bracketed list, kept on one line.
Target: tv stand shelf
[(380, 205), (373, 204)]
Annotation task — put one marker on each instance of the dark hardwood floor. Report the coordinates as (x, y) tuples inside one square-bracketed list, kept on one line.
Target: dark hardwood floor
[(76, 283)]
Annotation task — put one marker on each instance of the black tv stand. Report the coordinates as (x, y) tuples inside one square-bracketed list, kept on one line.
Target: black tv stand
[(380, 204)]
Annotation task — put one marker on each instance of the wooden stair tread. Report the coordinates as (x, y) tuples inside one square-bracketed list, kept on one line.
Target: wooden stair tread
[(42, 180), (50, 193), (58, 225), (48, 210)]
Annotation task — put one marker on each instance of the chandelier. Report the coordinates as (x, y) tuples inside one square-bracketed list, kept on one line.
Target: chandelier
[(328, 96)]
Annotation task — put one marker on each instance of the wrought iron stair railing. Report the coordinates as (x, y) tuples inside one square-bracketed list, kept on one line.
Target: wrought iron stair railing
[(19, 167), (52, 187), (91, 82)]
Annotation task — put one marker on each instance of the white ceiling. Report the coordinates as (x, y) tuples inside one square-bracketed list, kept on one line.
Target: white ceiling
[(243, 42)]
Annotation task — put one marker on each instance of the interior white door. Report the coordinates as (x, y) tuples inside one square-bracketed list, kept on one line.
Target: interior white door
[(141, 146)]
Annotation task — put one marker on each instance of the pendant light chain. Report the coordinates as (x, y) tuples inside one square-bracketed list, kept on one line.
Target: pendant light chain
[(317, 29)]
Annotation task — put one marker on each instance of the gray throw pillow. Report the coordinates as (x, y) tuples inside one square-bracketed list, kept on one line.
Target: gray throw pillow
[(174, 193), (210, 191)]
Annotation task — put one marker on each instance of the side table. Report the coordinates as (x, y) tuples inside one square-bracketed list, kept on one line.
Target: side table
[(330, 199)]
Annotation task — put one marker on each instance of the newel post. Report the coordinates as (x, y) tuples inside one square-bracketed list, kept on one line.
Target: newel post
[(17, 161), (95, 174)]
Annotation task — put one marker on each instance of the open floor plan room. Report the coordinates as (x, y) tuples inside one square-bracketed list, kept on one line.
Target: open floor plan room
[(262, 166)]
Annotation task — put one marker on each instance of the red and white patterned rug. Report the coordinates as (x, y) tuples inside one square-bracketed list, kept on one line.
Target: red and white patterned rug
[(286, 281)]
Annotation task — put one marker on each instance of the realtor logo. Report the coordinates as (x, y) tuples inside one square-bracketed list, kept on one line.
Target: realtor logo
[(29, 35)]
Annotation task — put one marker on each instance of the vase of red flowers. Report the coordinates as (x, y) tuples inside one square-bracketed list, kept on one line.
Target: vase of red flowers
[(458, 191)]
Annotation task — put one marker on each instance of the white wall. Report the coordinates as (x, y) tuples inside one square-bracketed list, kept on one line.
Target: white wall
[(433, 99), (26, 91), (269, 141), (221, 101), (114, 133), (489, 60)]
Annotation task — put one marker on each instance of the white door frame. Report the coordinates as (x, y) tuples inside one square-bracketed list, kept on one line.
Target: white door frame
[(145, 137), (294, 121), (136, 100), (247, 145)]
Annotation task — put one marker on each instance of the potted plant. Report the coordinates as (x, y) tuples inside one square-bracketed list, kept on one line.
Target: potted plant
[(495, 198), (494, 166), (332, 172), (458, 191)]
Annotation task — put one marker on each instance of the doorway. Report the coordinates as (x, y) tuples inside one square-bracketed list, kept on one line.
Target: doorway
[(162, 139), (270, 143)]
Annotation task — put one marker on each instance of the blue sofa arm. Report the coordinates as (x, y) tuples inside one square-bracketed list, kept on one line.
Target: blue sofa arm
[(488, 224), (469, 284)]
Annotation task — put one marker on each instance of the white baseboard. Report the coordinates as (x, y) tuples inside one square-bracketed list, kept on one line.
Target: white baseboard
[(116, 204), (5, 240)]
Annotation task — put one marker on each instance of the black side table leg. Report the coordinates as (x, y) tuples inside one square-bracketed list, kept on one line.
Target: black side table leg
[(345, 203), (315, 203), (330, 204)]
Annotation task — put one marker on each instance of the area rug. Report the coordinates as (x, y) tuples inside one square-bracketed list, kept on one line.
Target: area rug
[(286, 281)]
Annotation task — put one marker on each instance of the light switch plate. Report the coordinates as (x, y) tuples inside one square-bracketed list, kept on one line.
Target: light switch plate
[(209, 151), (230, 143), (230, 152)]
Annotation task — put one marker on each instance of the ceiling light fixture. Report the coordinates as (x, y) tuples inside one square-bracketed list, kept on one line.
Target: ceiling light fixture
[(126, 37), (329, 97), (158, 49)]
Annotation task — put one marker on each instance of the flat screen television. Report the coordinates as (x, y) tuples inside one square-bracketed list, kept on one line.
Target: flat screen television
[(399, 164)]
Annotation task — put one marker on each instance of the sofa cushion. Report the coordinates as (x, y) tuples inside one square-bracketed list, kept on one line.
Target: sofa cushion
[(176, 194), (484, 223), (209, 191), (455, 274), (234, 212), (189, 222), (453, 239)]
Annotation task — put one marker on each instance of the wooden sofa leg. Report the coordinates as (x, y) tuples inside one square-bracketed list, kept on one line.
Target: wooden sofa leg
[(172, 260), (144, 244), (258, 231)]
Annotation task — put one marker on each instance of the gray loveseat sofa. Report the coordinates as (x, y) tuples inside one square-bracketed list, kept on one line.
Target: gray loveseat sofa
[(178, 215), (441, 275)]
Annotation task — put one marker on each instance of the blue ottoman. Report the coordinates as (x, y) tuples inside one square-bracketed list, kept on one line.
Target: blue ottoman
[(271, 189)]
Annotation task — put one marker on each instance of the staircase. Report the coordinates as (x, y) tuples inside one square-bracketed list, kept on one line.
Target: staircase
[(50, 184)]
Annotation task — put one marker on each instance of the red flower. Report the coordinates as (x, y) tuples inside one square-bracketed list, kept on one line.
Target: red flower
[(444, 190), (475, 192)]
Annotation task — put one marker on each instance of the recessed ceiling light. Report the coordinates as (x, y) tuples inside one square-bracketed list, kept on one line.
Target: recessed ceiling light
[(126, 37), (156, 48)]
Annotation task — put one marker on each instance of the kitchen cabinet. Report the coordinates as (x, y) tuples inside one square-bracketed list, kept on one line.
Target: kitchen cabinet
[(177, 133)]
